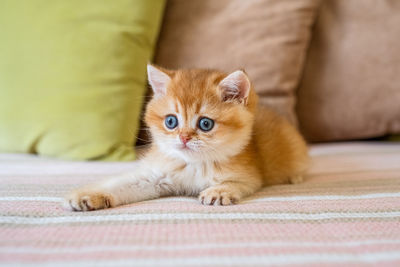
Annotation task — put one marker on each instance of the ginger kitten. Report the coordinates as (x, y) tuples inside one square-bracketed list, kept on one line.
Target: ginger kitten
[(210, 139)]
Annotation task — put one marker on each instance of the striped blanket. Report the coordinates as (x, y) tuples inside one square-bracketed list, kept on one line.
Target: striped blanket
[(347, 212)]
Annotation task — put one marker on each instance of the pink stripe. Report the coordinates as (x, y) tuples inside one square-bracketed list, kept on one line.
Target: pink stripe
[(54, 208), (50, 179), (128, 233), (203, 252), (356, 176), (395, 263), (383, 204)]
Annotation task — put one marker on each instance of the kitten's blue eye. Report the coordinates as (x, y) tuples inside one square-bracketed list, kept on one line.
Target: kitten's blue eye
[(171, 121), (206, 124)]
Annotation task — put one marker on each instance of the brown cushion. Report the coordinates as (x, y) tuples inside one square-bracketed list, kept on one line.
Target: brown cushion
[(351, 84), (268, 38)]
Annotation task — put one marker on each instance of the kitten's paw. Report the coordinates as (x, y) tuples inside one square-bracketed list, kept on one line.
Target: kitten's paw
[(88, 200), (218, 196)]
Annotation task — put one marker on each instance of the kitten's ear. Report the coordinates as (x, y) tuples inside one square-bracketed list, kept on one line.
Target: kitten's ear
[(158, 80), (235, 86)]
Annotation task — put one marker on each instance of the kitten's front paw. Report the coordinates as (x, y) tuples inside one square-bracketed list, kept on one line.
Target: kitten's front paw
[(82, 200), (218, 196)]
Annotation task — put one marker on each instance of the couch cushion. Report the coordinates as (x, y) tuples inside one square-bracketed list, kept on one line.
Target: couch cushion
[(346, 211), (267, 38), (351, 84), (72, 75)]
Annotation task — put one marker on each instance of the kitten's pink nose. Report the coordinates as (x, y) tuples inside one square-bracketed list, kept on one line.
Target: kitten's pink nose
[(184, 138)]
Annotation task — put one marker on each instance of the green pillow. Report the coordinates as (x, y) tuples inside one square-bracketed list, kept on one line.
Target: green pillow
[(73, 75)]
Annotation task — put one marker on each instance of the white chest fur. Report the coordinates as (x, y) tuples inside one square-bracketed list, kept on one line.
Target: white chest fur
[(185, 178)]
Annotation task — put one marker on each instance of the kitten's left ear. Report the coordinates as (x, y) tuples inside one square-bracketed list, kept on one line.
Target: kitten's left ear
[(158, 80), (235, 86)]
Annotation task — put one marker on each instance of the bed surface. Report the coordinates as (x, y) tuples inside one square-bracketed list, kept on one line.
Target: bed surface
[(346, 212)]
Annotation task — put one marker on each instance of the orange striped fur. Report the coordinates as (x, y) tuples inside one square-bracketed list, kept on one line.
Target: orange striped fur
[(248, 147)]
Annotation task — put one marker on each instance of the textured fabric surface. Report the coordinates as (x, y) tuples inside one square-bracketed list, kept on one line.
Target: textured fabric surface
[(267, 38), (72, 75), (351, 84), (347, 211)]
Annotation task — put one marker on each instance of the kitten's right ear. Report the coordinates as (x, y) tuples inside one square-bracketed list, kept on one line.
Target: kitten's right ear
[(158, 80)]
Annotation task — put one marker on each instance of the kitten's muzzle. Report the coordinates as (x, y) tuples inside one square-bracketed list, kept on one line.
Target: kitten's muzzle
[(184, 139)]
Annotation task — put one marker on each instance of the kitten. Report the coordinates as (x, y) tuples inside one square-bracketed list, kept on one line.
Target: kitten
[(210, 139)]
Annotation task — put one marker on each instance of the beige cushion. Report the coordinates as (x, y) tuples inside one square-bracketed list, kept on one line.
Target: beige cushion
[(351, 85), (267, 38)]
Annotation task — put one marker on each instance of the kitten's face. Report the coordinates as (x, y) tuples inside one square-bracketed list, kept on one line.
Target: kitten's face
[(200, 115)]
